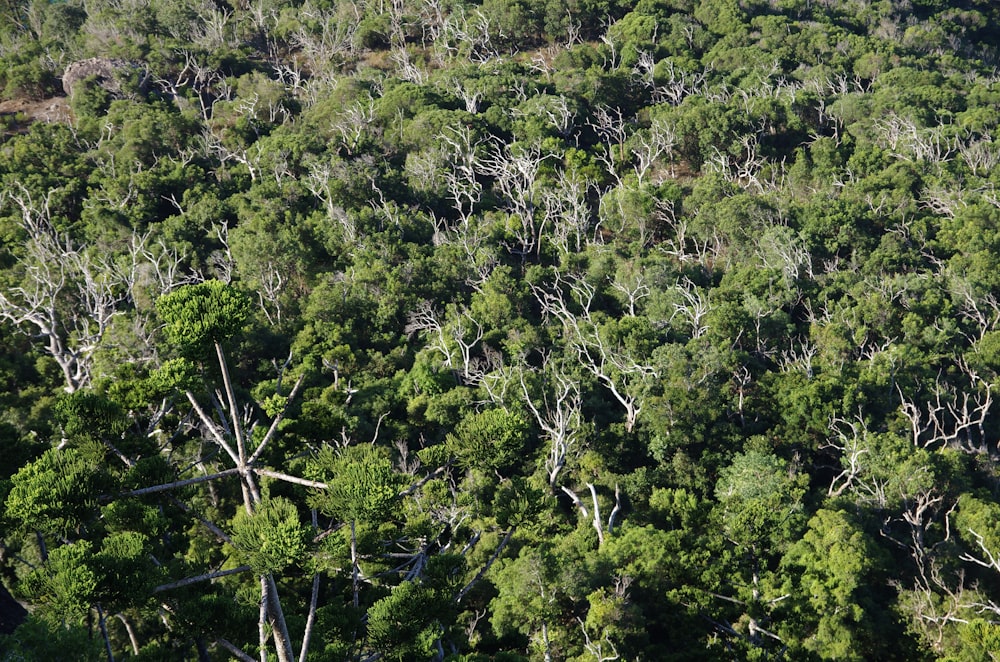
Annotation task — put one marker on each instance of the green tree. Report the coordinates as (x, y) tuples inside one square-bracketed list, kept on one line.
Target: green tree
[(271, 538), (362, 488), (37, 640), (57, 493), (492, 440), (404, 625), (835, 565), (198, 317), (759, 502), (65, 586)]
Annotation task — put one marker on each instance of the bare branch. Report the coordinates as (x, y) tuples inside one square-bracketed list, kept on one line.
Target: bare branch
[(291, 479), (237, 653), (486, 568), (200, 578), (273, 429), (178, 484)]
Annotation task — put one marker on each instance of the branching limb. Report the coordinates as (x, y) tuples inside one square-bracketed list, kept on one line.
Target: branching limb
[(200, 578)]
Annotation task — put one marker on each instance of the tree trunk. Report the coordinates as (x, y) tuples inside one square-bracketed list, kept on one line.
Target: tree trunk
[(262, 620), (354, 564), (131, 633), (282, 640), (103, 624), (311, 619)]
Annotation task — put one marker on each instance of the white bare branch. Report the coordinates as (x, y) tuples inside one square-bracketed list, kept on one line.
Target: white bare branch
[(558, 416), (614, 367)]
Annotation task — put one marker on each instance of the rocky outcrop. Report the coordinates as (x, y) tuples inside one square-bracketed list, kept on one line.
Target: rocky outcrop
[(108, 73)]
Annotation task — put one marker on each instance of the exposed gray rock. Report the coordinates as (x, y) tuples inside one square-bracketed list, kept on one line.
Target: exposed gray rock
[(107, 72)]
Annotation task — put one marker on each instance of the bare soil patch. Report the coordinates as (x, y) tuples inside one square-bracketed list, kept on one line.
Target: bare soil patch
[(18, 114)]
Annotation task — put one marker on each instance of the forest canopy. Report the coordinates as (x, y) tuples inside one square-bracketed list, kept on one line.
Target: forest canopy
[(503, 330)]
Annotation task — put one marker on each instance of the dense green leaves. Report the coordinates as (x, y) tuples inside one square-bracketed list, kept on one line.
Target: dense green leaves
[(835, 564), (404, 625), (64, 586), (57, 492), (198, 316), (664, 329), (491, 440), (271, 538), (759, 498), (361, 483)]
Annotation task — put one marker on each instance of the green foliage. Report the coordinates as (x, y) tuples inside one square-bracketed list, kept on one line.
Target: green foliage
[(64, 587), (527, 588), (147, 132), (89, 415), (30, 80), (126, 572), (361, 483), (835, 563), (128, 515), (271, 538), (89, 100), (55, 493), (978, 523), (404, 625), (513, 23), (518, 503), (767, 231), (759, 498), (723, 17), (198, 316), (980, 640), (36, 639), (490, 440), (173, 374)]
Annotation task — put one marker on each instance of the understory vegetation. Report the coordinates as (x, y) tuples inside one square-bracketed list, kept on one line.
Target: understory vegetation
[(444, 330)]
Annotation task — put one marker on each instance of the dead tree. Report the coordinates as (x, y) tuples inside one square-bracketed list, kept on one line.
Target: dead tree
[(610, 125), (353, 123), (692, 306), (463, 159), (470, 96), (631, 284), (596, 521), (980, 155), (490, 373), (561, 117), (596, 648), (68, 295), (613, 366), (648, 146), (670, 84), (780, 248), (981, 311), (852, 440), (567, 211), (472, 36), (558, 416), (322, 183), (908, 142), (515, 181), (325, 41), (951, 417), (454, 335)]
